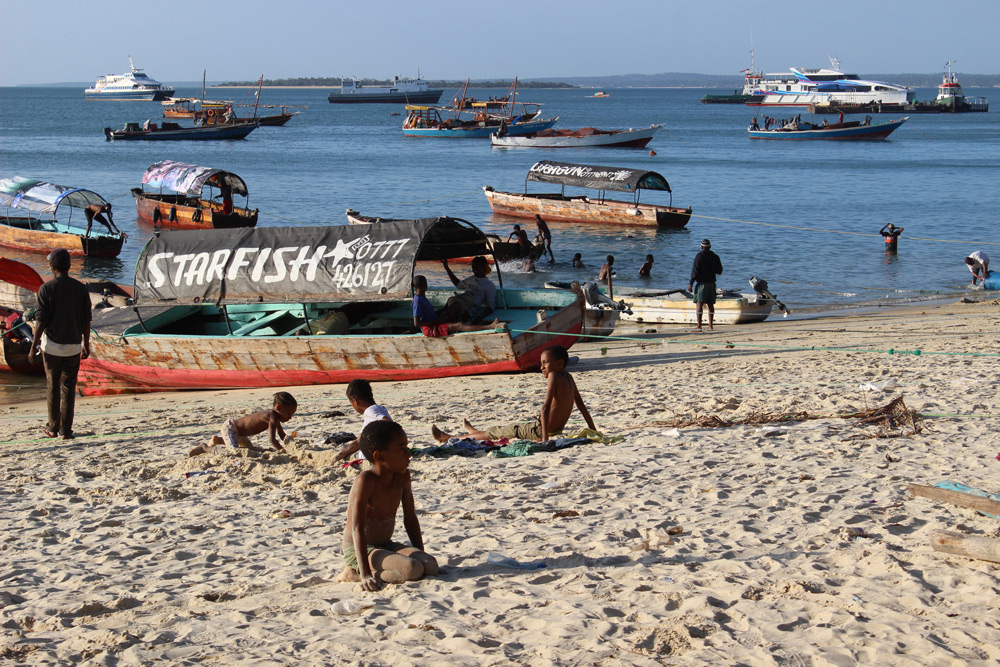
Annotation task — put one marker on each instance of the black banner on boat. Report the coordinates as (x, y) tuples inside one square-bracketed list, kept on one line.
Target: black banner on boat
[(596, 178), (300, 264)]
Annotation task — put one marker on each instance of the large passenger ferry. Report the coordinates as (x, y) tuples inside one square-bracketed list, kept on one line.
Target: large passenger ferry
[(404, 91), (802, 87), (133, 85)]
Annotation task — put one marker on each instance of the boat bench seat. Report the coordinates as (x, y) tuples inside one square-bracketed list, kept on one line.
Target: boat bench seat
[(251, 327)]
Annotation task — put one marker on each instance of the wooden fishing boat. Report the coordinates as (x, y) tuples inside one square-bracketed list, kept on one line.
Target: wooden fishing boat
[(217, 311), (15, 343), (848, 130), (29, 220), (557, 207), (174, 132), (188, 205), (586, 137), (600, 313), (502, 251)]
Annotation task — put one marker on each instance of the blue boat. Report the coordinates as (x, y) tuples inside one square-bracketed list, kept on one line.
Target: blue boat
[(798, 129)]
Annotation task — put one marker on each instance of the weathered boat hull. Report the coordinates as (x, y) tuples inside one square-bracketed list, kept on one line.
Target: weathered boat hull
[(874, 132), (678, 308), (179, 211), (482, 131), (164, 362), (207, 133), (14, 358), (556, 207), (275, 120), (614, 139), (43, 237)]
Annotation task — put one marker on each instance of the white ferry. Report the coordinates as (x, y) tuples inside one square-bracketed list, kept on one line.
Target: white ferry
[(133, 85), (802, 87), (404, 91)]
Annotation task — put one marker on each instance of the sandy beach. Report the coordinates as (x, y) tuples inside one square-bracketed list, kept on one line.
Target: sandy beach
[(772, 543)]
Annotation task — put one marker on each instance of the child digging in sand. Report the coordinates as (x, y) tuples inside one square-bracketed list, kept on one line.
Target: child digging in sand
[(236, 432), (359, 393), (560, 397), (371, 515)]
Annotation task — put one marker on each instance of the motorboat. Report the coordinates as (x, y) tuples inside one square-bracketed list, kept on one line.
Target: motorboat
[(167, 131), (133, 85), (844, 130), (801, 87), (400, 90), (586, 137)]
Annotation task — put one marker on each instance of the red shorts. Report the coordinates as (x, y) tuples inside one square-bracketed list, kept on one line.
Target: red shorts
[(436, 331)]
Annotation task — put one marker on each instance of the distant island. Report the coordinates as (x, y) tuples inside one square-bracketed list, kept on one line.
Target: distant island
[(328, 82)]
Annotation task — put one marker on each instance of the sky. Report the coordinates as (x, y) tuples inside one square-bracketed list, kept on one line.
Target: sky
[(54, 41)]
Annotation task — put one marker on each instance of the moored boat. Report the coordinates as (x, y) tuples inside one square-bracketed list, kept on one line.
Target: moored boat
[(798, 129), (677, 306), (400, 90), (188, 206), (586, 137), (167, 131), (29, 220), (217, 311), (561, 208), (133, 85), (801, 87)]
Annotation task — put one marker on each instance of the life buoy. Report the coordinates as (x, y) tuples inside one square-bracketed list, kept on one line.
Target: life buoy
[(173, 214), (196, 216), (156, 215), (210, 112)]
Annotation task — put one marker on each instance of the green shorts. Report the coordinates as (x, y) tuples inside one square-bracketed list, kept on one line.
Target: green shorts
[(520, 431), (351, 556), (704, 293)]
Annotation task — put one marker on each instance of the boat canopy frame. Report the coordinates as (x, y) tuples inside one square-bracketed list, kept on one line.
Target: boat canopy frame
[(32, 196), (619, 179), (348, 263), (191, 179)]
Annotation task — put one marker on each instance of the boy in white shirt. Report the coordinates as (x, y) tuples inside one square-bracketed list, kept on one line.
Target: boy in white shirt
[(359, 393)]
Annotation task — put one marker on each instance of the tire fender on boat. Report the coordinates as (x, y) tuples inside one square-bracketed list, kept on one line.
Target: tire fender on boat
[(172, 217), (156, 215), (196, 216)]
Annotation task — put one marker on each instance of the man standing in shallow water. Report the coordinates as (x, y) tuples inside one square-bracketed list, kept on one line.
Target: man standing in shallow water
[(891, 234), (706, 266), (63, 334)]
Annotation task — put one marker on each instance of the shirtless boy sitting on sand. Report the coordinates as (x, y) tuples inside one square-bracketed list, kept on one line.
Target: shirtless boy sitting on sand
[(371, 514), (236, 432), (560, 398)]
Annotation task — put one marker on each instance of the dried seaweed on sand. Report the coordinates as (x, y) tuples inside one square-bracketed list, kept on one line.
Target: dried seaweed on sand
[(892, 420)]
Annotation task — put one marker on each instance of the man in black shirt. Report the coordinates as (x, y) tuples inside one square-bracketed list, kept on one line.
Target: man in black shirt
[(707, 265), (63, 334)]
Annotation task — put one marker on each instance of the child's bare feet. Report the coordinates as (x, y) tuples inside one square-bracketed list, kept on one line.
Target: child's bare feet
[(348, 575), (438, 434), (469, 427)]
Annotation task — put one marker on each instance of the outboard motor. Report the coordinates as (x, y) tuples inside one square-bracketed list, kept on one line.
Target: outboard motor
[(759, 286)]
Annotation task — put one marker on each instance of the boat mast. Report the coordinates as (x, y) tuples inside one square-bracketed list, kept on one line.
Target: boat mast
[(260, 84), (203, 73), (513, 99)]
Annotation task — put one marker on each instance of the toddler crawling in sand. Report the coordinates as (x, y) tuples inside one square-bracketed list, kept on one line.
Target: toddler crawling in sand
[(371, 514), (236, 432)]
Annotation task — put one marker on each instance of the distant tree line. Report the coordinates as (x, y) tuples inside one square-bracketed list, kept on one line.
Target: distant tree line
[(323, 81)]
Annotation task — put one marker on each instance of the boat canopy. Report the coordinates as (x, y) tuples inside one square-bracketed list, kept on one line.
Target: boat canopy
[(40, 197), (298, 264), (189, 179), (596, 178)]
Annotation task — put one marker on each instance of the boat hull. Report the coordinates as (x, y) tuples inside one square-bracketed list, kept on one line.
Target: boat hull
[(129, 96), (555, 207), (424, 97), (165, 362), (25, 234), (482, 131), (14, 358), (179, 211), (682, 310), (873, 132), (216, 133), (622, 139)]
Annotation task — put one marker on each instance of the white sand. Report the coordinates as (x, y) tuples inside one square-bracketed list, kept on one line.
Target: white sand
[(111, 556)]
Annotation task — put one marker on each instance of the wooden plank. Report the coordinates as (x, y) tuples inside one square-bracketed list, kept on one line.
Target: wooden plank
[(977, 503), (970, 546)]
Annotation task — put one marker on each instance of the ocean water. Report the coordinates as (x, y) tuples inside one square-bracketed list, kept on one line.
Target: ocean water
[(803, 215)]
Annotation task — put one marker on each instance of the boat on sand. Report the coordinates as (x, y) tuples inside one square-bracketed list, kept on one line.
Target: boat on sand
[(245, 308), (557, 207)]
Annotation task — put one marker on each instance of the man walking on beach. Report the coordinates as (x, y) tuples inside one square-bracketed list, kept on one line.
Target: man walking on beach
[(63, 333), (706, 266), (891, 234)]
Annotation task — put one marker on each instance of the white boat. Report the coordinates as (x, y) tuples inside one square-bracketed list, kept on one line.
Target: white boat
[(133, 85), (583, 138), (951, 97), (802, 87), (403, 91), (678, 307)]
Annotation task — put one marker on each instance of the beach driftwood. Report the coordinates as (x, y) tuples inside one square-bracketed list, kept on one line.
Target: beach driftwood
[(978, 503), (979, 548)]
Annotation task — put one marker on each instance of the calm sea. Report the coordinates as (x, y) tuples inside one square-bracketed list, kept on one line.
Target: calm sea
[(770, 208)]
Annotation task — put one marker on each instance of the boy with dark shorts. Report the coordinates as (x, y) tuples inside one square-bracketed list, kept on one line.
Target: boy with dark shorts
[(236, 433), (560, 397), (371, 515), (430, 323), (706, 266)]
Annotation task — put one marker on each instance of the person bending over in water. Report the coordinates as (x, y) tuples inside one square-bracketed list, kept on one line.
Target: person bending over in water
[(236, 432), (560, 397), (370, 554)]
